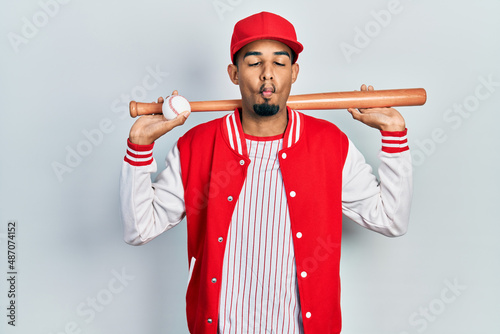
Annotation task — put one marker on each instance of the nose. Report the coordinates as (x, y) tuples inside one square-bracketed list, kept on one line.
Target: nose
[(267, 72)]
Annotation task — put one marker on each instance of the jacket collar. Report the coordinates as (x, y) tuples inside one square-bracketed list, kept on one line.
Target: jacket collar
[(235, 137)]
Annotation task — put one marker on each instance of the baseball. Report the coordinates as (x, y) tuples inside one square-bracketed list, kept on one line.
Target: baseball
[(175, 105)]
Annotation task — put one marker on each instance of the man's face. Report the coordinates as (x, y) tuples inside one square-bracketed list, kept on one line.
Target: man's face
[(265, 74)]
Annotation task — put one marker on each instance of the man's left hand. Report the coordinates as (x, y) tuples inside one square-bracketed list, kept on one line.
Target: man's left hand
[(384, 119)]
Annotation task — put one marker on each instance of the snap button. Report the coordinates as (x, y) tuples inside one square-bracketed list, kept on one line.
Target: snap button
[(299, 235), (308, 315), (303, 274), (209, 320), (293, 194), (220, 239), (242, 162), (214, 280), (283, 155), (230, 198)]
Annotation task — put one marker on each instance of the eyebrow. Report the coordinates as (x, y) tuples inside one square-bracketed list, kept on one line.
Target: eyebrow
[(257, 53)]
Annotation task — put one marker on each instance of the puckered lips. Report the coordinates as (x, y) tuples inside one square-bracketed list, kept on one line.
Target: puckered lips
[(267, 91)]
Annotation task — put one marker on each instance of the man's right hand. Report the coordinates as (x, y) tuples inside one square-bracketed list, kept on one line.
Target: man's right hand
[(148, 128)]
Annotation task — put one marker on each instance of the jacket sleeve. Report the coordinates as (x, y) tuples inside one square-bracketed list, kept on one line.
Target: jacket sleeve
[(149, 208), (381, 206)]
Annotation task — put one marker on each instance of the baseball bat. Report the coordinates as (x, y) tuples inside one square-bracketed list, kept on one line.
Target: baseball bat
[(318, 101)]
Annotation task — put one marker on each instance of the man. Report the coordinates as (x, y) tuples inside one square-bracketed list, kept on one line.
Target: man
[(263, 190)]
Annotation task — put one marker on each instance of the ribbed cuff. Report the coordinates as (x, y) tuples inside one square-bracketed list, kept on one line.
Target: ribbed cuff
[(139, 155), (394, 141)]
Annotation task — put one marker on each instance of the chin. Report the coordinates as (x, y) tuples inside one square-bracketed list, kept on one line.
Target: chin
[(266, 109)]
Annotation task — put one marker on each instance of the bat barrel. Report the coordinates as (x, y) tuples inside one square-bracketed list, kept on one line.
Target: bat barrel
[(359, 99)]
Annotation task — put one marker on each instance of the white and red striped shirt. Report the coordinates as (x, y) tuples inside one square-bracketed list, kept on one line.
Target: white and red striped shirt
[(259, 288)]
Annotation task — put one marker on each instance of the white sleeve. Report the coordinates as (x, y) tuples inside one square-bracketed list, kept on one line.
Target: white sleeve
[(384, 206), (149, 209)]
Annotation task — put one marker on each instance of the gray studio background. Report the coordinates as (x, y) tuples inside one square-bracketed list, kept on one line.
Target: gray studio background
[(69, 68)]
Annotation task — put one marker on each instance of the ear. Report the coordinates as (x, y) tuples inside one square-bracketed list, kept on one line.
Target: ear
[(232, 70), (295, 72)]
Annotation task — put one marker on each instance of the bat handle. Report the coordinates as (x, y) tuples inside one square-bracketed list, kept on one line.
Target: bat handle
[(133, 109), (140, 108)]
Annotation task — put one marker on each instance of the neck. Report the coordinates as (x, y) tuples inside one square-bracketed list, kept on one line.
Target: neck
[(264, 126)]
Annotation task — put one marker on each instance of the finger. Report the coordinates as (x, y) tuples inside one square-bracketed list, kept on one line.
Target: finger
[(175, 92), (179, 120), (366, 111), (185, 114), (363, 87), (370, 88), (355, 113), (160, 99), (380, 110)]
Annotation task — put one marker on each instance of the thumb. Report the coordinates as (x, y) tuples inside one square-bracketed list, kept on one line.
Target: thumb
[(184, 115), (179, 120)]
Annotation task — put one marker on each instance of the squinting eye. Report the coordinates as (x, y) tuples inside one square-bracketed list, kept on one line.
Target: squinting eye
[(254, 64), (279, 64)]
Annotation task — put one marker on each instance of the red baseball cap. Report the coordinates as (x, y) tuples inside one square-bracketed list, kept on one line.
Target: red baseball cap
[(264, 25)]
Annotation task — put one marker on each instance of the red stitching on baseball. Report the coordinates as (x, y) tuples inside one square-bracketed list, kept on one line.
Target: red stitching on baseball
[(171, 105)]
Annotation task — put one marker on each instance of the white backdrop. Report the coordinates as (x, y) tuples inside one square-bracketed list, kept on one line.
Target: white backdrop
[(69, 69)]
